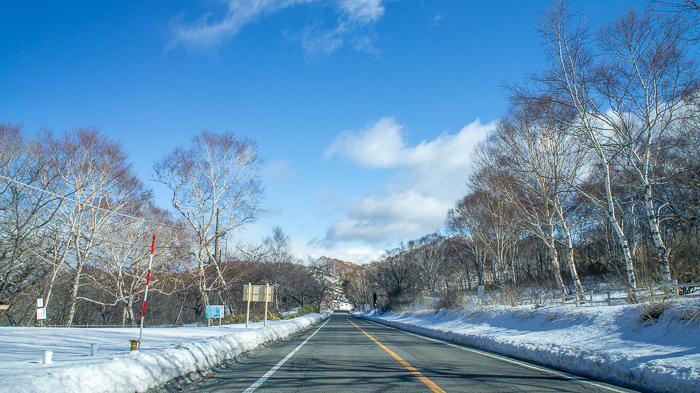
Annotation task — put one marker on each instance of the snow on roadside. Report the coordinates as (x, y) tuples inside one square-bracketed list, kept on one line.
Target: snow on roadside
[(167, 353), (606, 343)]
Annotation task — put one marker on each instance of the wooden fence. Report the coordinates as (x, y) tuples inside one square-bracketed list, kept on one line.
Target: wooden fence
[(658, 292)]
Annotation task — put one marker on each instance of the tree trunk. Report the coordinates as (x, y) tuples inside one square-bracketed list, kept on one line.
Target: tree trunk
[(570, 253), (661, 249), (74, 294), (553, 257), (610, 206)]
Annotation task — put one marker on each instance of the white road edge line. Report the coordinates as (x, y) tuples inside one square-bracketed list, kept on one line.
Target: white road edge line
[(268, 374), (509, 360)]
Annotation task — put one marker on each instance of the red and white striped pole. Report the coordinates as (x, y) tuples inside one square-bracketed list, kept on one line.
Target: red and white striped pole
[(145, 296)]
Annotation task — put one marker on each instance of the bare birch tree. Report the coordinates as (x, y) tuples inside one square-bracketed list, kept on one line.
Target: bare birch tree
[(94, 171), (122, 263), (215, 179), (278, 247), (24, 173), (426, 254), (626, 85), (463, 220), (541, 160)]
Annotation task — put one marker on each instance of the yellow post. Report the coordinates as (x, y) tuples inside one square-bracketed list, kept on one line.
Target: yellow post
[(134, 345)]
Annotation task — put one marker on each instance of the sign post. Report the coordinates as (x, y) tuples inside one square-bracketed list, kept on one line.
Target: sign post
[(257, 293), (214, 312), (249, 292), (40, 311), (145, 296)]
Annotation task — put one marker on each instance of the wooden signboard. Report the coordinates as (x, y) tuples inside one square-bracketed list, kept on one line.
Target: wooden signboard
[(257, 293)]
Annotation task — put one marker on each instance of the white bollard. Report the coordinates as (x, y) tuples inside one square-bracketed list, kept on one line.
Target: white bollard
[(47, 357), (93, 349)]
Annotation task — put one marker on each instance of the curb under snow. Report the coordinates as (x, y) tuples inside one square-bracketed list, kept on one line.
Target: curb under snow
[(582, 362), (139, 371)]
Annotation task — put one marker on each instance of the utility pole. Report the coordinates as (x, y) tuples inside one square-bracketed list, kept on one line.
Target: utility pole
[(216, 239)]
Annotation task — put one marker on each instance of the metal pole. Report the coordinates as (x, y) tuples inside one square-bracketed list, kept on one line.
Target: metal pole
[(217, 258), (145, 296)]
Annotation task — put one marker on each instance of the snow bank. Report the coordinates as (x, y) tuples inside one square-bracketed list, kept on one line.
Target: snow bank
[(606, 343), (165, 355)]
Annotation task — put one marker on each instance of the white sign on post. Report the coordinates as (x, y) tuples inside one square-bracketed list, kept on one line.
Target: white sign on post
[(40, 311)]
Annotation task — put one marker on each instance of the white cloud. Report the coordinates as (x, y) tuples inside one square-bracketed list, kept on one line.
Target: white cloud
[(276, 170), (208, 31), (382, 145), (436, 19), (355, 253), (362, 11), (377, 218), (431, 177), (376, 146), (355, 15)]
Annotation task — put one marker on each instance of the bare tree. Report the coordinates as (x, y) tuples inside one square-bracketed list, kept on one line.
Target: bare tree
[(95, 172), (688, 11), (464, 221), (359, 288), (626, 86), (426, 254), (278, 246), (215, 179), (122, 262), (24, 173), (497, 222), (541, 161)]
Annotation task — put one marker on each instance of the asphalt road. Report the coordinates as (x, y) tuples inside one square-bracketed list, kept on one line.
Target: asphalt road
[(348, 354)]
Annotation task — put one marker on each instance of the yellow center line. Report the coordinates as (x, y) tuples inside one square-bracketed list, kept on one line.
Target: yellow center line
[(435, 388)]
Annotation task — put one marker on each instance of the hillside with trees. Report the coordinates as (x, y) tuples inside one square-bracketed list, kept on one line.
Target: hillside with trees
[(592, 175)]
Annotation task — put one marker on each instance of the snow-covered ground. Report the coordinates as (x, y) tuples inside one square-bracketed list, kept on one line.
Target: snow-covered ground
[(607, 343), (166, 353)]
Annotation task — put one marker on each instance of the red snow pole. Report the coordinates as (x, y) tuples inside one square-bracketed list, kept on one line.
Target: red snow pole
[(145, 296)]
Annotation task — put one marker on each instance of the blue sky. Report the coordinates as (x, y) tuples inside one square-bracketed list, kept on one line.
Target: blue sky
[(365, 111)]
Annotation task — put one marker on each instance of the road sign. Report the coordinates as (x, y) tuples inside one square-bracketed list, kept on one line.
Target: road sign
[(4, 307), (40, 313), (257, 293), (40, 303), (215, 311)]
